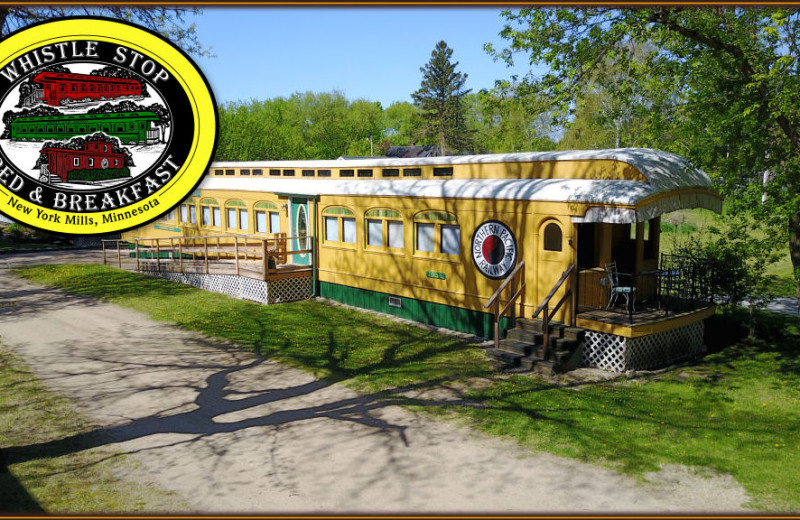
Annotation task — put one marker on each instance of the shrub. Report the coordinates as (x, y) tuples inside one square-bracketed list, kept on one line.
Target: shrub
[(16, 231)]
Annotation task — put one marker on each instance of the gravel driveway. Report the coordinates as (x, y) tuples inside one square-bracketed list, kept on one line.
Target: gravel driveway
[(232, 432)]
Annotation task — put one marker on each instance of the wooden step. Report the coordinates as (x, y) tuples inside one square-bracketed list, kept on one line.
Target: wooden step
[(505, 357), (517, 347), (526, 336), (556, 329)]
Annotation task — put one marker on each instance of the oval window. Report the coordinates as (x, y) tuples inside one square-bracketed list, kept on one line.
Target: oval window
[(552, 237), (302, 228)]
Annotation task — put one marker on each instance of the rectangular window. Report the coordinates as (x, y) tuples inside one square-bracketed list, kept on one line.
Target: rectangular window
[(391, 172), (169, 216), (91, 161), (346, 173), (365, 173), (412, 172), (323, 173), (243, 224), (206, 216), (288, 173), (274, 222), (229, 172), (451, 238), (349, 230), (217, 172), (375, 233), (184, 213), (308, 173), (244, 172), (258, 171), (395, 234), (443, 172), (116, 162), (232, 218), (261, 222), (331, 229), (192, 214), (425, 237), (76, 162), (274, 172), (217, 219)]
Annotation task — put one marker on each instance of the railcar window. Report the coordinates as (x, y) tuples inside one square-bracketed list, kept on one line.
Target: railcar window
[(267, 217), (384, 228), (217, 172), (365, 173), (346, 173), (412, 172), (323, 173), (258, 171), (230, 172), (339, 225), (443, 172), (437, 232), (274, 172), (391, 172), (308, 173), (552, 237), (288, 173), (244, 172)]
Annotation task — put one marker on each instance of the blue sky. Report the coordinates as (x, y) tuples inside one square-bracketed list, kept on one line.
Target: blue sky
[(370, 52)]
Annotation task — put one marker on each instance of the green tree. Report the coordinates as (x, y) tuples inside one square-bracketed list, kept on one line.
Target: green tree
[(171, 22), (440, 99), (723, 86), (403, 125), (510, 118)]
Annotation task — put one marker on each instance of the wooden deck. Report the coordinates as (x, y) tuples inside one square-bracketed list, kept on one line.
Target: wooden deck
[(643, 323), (260, 258)]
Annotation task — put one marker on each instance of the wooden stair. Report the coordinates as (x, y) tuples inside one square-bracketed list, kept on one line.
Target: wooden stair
[(523, 349)]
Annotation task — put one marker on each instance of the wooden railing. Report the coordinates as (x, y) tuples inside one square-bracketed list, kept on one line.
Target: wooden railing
[(547, 315), (517, 275), (263, 258)]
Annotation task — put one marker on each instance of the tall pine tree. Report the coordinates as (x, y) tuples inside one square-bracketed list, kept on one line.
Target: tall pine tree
[(440, 99)]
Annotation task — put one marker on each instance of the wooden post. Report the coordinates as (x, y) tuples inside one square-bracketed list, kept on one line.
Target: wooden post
[(137, 253), (497, 323), (545, 330), (180, 254), (104, 251), (236, 252), (264, 259), (205, 245), (158, 254), (573, 282), (119, 254), (513, 292), (522, 296)]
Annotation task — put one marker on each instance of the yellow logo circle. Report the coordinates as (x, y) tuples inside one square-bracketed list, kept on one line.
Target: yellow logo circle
[(105, 126)]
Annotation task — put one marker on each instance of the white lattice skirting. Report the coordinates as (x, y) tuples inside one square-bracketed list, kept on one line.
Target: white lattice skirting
[(278, 291), (618, 353)]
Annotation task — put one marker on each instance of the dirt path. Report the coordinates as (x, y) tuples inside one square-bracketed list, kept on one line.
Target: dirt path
[(231, 432)]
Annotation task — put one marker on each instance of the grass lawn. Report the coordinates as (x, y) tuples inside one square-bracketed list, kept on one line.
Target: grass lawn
[(7, 245), (736, 411), (81, 482)]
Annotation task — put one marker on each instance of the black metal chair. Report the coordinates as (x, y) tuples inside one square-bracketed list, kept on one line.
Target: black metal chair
[(615, 289)]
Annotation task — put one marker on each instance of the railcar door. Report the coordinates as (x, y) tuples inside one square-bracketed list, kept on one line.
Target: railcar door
[(300, 230)]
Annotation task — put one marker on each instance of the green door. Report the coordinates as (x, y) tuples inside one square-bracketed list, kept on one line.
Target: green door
[(299, 230)]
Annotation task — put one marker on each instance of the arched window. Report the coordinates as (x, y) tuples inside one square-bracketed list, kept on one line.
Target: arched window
[(340, 225), (189, 212), (268, 217), (552, 237), (437, 232), (237, 215), (210, 211), (384, 228)]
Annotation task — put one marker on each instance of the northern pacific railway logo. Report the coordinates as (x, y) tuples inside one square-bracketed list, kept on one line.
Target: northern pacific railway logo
[(494, 249), (105, 126)]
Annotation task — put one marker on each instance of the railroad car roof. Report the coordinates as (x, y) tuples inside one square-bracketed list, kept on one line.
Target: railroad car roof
[(82, 77), (672, 183)]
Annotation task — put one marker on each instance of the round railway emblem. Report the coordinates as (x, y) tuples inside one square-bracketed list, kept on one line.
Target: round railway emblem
[(106, 126), (494, 249)]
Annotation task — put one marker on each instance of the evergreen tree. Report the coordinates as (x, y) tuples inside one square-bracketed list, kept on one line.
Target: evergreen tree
[(440, 99)]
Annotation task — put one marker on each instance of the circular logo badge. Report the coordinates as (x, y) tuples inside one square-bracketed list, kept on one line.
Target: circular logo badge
[(105, 126), (494, 249)]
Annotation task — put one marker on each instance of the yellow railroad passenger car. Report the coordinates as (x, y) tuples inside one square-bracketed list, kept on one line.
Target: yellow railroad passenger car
[(433, 239)]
